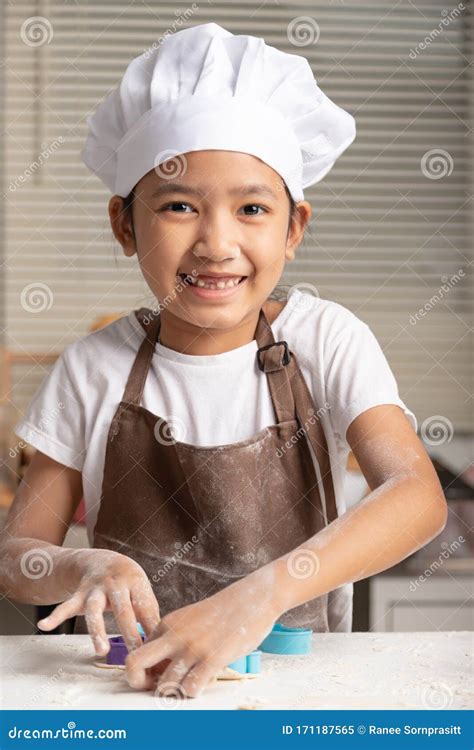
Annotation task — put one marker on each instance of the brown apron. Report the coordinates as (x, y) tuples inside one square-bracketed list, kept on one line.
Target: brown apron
[(198, 518)]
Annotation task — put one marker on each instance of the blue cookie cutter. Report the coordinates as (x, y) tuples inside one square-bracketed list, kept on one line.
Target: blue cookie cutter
[(281, 640), (249, 664)]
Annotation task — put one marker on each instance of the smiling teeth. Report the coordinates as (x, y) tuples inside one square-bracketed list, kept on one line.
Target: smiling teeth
[(228, 283)]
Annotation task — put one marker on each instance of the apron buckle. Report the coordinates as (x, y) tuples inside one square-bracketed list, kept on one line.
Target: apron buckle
[(271, 363)]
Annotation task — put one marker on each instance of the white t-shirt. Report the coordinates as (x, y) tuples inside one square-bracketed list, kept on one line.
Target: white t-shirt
[(207, 399)]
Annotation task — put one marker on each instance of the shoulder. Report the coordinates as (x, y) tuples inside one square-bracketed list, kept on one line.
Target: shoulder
[(315, 322), (118, 339)]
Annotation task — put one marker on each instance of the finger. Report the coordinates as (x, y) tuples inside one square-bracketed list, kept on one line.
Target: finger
[(62, 612), (170, 682), (198, 678), (146, 608), (148, 655), (157, 670), (96, 603), (153, 673), (119, 599)]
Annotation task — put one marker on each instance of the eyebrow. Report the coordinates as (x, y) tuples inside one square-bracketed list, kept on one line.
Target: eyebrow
[(177, 187)]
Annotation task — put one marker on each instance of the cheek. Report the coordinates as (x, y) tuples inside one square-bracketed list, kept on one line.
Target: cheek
[(159, 252), (269, 257)]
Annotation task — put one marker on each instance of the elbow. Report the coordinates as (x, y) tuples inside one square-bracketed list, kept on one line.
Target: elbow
[(430, 509), (432, 501), (440, 506), (443, 513), (436, 514)]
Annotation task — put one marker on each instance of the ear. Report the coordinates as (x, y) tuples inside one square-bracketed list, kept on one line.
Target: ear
[(297, 227), (121, 225)]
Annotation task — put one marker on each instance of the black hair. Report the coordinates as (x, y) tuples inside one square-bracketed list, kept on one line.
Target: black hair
[(128, 208)]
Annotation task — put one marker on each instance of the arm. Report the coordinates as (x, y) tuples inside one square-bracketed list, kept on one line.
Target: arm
[(38, 519), (404, 511), (35, 568)]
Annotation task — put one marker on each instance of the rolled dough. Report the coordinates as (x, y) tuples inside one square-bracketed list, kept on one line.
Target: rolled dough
[(226, 674)]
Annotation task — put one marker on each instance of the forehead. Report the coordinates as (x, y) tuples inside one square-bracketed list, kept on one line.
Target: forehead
[(207, 169)]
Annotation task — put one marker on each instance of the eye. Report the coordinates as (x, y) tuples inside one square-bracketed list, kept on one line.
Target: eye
[(254, 205), (176, 206)]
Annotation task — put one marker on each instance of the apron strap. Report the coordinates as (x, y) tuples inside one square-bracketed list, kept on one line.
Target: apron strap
[(151, 323), (288, 387), (272, 359), (310, 422)]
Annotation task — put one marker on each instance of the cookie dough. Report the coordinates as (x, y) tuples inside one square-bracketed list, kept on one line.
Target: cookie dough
[(225, 674)]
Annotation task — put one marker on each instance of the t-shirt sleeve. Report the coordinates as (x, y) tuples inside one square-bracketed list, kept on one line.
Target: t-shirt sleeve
[(358, 377), (54, 422)]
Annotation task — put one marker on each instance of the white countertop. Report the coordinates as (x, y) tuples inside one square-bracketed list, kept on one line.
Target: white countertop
[(344, 671)]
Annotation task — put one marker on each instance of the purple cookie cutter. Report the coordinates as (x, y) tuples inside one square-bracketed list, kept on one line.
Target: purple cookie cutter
[(118, 650)]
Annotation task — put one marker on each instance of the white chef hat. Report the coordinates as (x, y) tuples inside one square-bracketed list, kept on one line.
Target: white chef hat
[(205, 88)]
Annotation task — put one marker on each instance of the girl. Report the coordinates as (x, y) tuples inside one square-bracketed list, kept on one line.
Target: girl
[(209, 435)]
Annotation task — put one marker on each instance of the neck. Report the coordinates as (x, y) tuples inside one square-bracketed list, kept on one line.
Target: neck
[(182, 336)]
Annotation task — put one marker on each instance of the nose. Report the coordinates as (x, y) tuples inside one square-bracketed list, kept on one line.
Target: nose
[(216, 240)]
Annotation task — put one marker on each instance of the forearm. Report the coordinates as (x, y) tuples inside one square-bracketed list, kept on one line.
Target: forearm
[(389, 524), (36, 572)]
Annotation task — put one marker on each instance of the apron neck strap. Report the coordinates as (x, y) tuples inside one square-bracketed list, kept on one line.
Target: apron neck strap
[(151, 323), (273, 358), (292, 398)]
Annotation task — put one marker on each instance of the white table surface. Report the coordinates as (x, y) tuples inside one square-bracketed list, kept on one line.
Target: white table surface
[(344, 671)]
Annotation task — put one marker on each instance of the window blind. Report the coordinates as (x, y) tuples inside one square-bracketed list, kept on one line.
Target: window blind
[(392, 222)]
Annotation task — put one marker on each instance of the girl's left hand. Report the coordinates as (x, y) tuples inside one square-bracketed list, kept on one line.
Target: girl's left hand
[(199, 640)]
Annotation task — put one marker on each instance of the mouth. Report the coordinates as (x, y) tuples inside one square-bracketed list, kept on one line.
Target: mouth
[(201, 281)]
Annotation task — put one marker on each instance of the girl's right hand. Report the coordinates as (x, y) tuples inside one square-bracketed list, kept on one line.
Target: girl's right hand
[(108, 581)]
